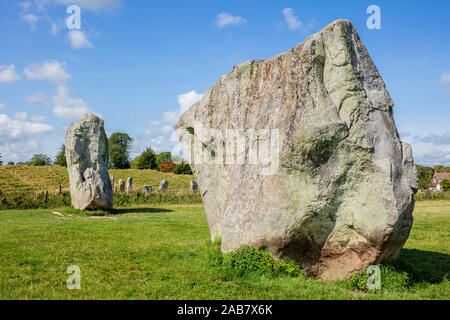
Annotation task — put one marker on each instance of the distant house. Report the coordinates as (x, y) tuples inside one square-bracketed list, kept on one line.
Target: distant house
[(437, 179)]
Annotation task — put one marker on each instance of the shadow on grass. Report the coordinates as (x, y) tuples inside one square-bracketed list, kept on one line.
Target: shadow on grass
[(138, 210), (424, 266)]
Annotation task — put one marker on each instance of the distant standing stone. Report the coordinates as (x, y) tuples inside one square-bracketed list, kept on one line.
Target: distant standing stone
[(163, 185), (121, 185), (87, 164), (147, 189), (129, 184), (193, 187), (112, 182)]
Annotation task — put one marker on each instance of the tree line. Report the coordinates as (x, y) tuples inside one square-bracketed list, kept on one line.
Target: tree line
[(119, 144), (119, 158), (425, 175)]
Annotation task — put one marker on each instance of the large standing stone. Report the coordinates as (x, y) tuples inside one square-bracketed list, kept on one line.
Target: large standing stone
[(87, 164), (163, 185), (129, 184), (337, 191)]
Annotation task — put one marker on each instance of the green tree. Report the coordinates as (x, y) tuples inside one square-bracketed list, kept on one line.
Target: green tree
[(163, 156), (10, 163), (182, 168), (177, 159), (445, 184), (39, 160), (1, 162), (119, 145), (147, 160), (438, 168), (60, 159), (424, 174)]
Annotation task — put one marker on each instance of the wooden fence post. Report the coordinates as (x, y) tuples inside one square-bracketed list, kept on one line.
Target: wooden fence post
[(46, 196)]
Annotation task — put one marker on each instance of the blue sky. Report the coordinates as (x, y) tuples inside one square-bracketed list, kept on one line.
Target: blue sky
[(140, 63)]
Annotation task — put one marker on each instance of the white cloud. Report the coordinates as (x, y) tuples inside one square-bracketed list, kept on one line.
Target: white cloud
[(52, 71), (31, 19), (37, 119), (20, 150), (42, 4), (185, 100), (8, 73), (224, 19), (54, 30), (25, 6), (37, 97), (94, 5), (20, 139), (2, 106), (437, 139), (431, 149), (291, 20), (14, 130), (78, 39), (159, 144), (445, 78), (188, 99), (162, 143), (167, 129), (21, 116), (56, 26), (171, 116), (174, 137), (431, 154), (66, 107), (164, 138)]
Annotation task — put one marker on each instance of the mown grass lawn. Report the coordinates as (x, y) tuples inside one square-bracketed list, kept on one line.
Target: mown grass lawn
[(159, 253)]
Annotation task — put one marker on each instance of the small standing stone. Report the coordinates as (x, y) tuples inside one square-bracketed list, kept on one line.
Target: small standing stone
[(147, 189), (163, 185), (121, 185), (112, 181), (193, 187), (129, 184)]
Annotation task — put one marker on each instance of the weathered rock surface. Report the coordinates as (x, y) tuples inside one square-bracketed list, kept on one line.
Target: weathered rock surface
[(339, 194), (163, 185), (87, 164)]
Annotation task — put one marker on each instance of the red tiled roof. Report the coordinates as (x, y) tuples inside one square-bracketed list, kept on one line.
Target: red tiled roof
[(441, 175), (434, 184)]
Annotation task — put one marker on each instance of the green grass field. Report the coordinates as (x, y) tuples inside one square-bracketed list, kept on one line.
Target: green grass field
[(26, 178), (159, 252)]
